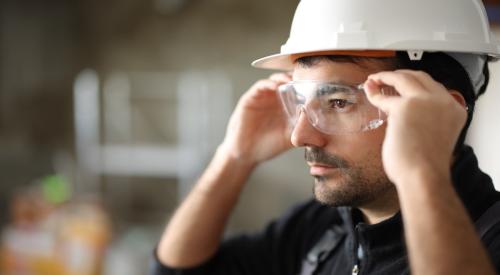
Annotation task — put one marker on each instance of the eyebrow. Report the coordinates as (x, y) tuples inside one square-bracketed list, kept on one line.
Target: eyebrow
[(363, 62), (354, 84), (311, 61)]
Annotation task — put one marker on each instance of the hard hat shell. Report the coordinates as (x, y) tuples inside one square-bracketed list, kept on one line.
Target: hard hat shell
[(459, 26)]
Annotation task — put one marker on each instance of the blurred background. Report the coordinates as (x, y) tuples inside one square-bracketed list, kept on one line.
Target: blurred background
[(110, 110)]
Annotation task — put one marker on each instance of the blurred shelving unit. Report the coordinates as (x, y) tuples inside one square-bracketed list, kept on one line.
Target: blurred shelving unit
[(186, 112)]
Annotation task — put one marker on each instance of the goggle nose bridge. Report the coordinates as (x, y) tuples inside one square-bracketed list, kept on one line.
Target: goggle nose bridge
[(311, 118)]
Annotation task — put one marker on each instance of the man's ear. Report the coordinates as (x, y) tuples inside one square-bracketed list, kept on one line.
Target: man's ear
[(458, 97)]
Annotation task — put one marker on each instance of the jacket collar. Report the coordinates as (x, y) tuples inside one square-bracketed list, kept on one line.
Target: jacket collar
[(474, 187)]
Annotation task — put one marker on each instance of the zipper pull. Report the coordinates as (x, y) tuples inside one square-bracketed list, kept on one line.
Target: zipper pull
[(355, 270)]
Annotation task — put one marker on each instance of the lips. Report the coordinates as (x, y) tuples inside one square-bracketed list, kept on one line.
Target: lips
[(319, 169)]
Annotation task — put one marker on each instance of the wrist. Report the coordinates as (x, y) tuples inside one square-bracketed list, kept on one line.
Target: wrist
[(422, 179), (227, 170), (223, 179), (227, 154)]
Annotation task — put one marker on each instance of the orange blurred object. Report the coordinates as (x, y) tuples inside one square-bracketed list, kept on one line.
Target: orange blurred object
[(47, 239)]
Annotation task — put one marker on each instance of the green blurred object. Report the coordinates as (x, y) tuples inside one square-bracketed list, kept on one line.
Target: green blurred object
[(55, 189)]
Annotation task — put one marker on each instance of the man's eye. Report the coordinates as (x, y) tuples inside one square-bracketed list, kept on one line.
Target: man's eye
[(339, 104)]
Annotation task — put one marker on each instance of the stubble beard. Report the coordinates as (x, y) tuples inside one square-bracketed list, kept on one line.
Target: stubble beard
[(349, 186)]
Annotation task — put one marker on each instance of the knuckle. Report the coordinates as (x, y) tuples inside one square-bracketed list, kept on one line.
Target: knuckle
[(421, 73), (264, 84), (279, 77), (406, 79), (411, 103), (261, 82)]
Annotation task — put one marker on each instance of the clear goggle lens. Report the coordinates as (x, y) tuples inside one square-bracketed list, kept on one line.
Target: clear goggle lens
[(330, 107)]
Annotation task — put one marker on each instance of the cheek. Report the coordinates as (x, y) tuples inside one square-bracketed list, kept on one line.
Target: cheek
[(359, 149)]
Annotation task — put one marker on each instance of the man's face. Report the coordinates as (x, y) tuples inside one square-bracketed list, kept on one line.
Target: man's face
[(347, 168)]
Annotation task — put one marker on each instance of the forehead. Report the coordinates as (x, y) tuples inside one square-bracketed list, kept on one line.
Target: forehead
[(334, 71)]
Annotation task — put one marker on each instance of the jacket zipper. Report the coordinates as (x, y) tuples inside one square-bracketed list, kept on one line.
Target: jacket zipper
[(358, 254), (355, 270)]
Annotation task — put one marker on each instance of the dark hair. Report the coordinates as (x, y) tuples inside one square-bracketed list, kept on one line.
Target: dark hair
[(440, 66)]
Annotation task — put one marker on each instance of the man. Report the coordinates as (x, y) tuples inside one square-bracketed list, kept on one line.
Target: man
[(381, 100)]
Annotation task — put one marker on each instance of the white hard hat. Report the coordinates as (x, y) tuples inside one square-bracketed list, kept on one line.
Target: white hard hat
[(370, 27)]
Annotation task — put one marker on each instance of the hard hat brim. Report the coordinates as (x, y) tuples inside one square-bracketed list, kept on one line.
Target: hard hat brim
[(285, 61), (276, 62)]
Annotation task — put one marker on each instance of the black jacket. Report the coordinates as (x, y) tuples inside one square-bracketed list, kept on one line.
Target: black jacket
[(376, 249)]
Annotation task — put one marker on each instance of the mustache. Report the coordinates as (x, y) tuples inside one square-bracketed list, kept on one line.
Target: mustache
[(315, 154)]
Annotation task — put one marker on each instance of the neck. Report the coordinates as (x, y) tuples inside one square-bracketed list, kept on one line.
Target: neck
[(383, 208)]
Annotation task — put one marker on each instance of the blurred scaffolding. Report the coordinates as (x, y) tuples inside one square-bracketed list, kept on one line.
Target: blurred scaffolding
[(143, 125), (196, 121)]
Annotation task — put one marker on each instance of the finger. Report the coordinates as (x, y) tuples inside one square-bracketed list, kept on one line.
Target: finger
[(265, 85), (406, 84), (382, 101), (281, 77), (264, 88)]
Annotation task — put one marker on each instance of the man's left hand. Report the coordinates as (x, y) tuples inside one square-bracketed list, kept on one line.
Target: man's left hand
[(423, 124)]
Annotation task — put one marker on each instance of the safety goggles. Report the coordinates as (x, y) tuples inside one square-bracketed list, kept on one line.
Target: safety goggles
[(331, 108)]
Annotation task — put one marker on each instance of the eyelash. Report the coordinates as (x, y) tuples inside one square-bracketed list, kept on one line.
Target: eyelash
[(344, 102)]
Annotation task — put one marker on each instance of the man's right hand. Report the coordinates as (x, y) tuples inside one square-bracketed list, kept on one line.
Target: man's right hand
[(258, 128), (257, 131)]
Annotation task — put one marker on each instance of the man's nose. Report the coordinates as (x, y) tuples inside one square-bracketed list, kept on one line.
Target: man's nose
[(304, 134)]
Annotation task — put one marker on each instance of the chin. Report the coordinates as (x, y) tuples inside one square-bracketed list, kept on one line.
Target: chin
[(329, 193), (336, 193)]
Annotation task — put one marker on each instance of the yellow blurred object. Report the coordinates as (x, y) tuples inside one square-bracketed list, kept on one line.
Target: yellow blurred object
[(84, 235), (47, 266)]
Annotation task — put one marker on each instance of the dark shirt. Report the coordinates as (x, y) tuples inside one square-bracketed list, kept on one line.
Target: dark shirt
[(374, 249)]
